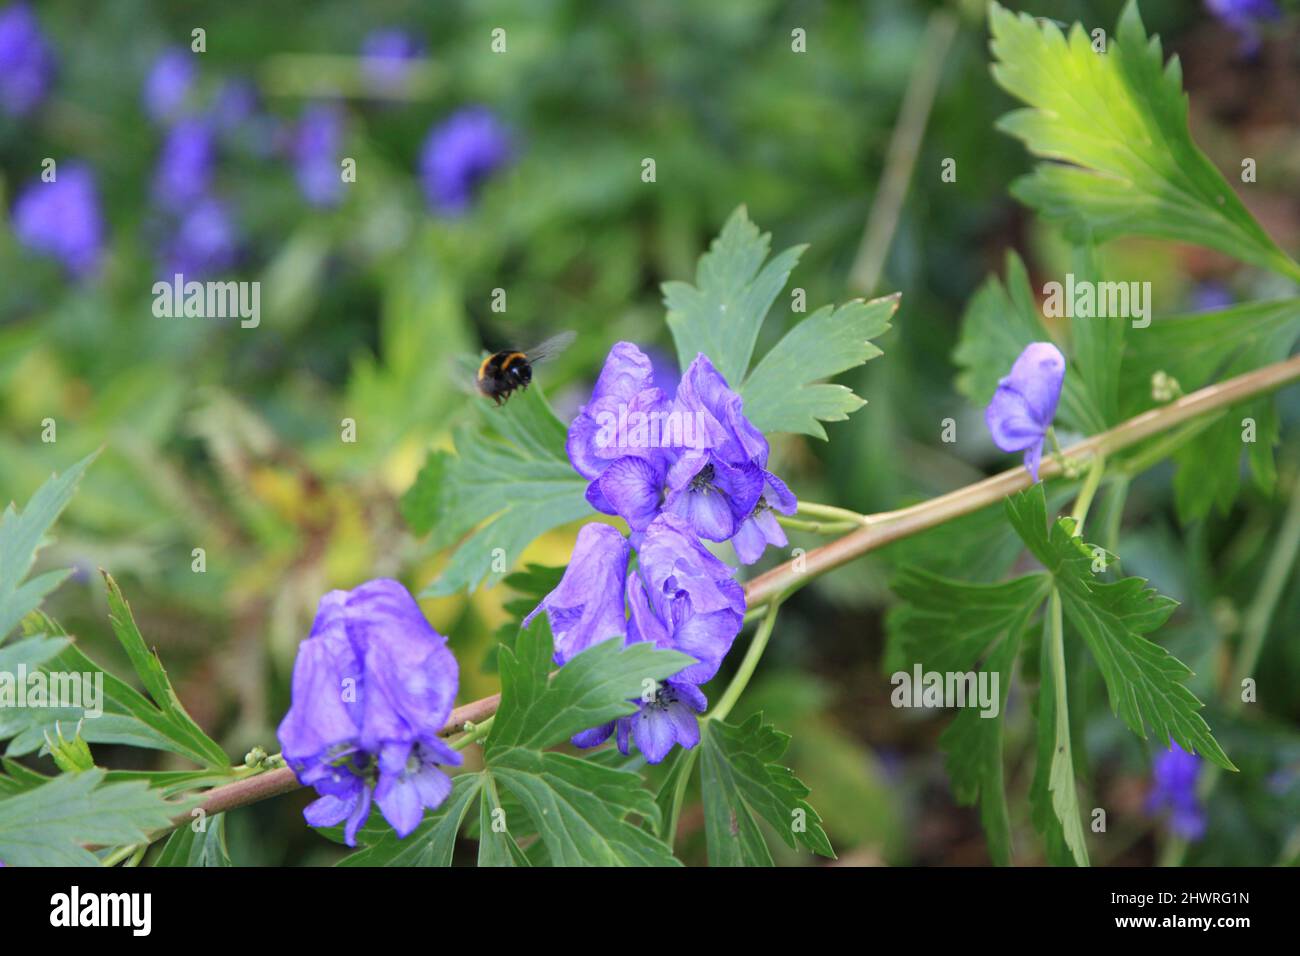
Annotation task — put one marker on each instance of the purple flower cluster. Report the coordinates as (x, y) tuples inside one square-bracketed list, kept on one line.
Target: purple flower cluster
[(1173, 789), (1025, 402), (1243, 17), (316, 150), (26, 61), (168, 85), (678, 470), (373, 686), (386, 58), (61, 218), (678, 597), (695, 455), (459, 155)]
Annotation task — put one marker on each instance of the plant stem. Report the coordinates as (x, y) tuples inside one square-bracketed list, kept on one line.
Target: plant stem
[(473, 732), (813, 509), (684, 772), (904, 145), (747, 665), (818, 527), (1090, 484), (878, 531)]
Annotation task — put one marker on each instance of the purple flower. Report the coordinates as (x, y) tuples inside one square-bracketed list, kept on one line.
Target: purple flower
[(1211, 295), (316, 146), (1173, 788), (717, 482), (386, 58), (684, 598), (237, 102), (373, 686), (184, 172), (167, 87), (610, 441), (26, 61), (1024, 404), (204, 241), (666, 719), (62, 219), (587, 607), (1243, 18), (459, 154)]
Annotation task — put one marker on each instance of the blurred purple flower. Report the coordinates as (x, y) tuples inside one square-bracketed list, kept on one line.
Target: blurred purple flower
[(459, 154), (316, 147), (386, 58), (204, 241), (184, 172), (237, 102), (373, 686), (1211, 295), (1024, 404), (587, 607), (26, 61), (168, 84), (1173, 788), (1243, 17), (62, 219)]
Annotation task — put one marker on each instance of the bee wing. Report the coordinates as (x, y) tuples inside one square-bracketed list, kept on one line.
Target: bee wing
[(462, 369), (551, 347)]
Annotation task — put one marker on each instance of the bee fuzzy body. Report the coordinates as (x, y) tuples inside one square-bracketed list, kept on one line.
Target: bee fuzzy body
[(503, 372)]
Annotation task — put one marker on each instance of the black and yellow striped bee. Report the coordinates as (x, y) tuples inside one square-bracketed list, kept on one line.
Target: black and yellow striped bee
[(503, 372)]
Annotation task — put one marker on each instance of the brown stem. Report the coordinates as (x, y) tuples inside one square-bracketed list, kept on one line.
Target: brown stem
[(880, 530)]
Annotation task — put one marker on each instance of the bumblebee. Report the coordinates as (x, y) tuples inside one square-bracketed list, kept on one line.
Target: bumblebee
[(503, 372)]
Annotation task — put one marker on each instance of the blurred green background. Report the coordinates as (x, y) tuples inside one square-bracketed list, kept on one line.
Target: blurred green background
[(228, 439)]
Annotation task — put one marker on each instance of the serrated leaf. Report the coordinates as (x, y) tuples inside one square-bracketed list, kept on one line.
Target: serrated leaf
[(740, 777), (950, 626), (187, 848), (721, 314), (1115, 126), (584, 813), (181, 727), (1144, 681), (786, 391), (597, 686), (22, 533), (509, 482), (52, 824)]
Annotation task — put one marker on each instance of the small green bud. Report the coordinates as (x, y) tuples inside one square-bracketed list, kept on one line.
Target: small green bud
[(70, 756)]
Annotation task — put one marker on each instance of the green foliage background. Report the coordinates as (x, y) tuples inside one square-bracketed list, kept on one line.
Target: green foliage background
[(228, 439)]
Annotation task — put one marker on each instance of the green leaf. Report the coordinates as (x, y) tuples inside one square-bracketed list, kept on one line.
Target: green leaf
[(740, 777), (508, 482), (1201, 348), (496, 846), (949, 626), (785, 391), (581, 809), (721, 314), (52, 824), (1062, 795), (1144, 681), (1000, 320), (1114, 126), (187, 848), (181, 727), (22, 534), (597, 686)]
